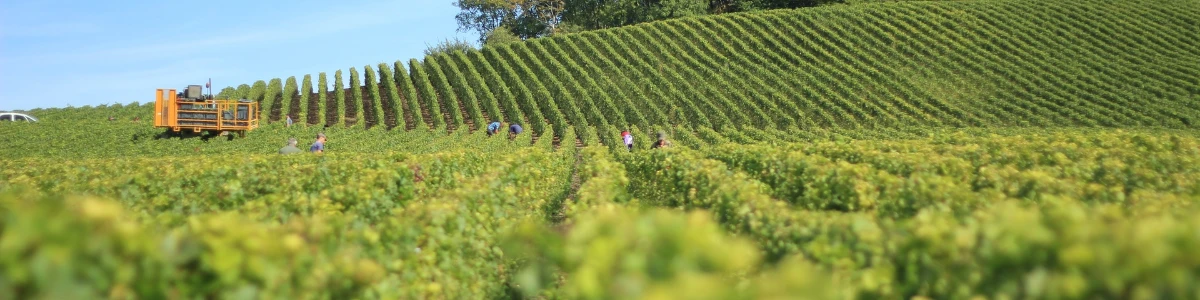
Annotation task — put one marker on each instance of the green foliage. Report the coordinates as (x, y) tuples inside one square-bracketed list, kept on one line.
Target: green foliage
[(393, 107), (500, 22), (291, 100), (465, 93), (412, 104), (605, 14), (752, 5), (1079, 241), (372, 102), (258, 92), (470, 82), (451, 105), (696, 72), (88, 248), (310, 108), (243, 92), (618, 254), (429, 97), (524, 18), (339, 94), (354, 101), (909, 150), (226, 93), (500, 36), (273, 99), (449, 46), (329, 108), (478, 67), (524, 96), (883, 218)]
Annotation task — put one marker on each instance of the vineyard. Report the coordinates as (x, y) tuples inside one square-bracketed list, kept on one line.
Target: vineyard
[(1056, 214), (907, 64), (901, 150)]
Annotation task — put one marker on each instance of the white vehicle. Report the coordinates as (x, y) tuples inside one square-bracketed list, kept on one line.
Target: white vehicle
[(11, 116)]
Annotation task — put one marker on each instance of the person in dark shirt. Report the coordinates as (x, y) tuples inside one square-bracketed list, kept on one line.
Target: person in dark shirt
[(513, 131), (662, 141)]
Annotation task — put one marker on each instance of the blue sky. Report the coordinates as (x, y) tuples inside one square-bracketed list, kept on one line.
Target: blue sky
[(77, 52)]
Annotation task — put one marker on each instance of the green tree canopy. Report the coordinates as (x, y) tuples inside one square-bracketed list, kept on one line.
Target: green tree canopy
[(449, 46), (597, 14), (525, 18), (500, 36)]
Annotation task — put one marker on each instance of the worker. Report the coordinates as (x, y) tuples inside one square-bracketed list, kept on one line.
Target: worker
[(289, 121), (513, 131), (290, 148), (493, 127), (319, 145), (662, 141), (625, 135)]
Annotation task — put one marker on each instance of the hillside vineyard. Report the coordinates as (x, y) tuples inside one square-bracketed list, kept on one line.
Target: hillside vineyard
[(959, 64)]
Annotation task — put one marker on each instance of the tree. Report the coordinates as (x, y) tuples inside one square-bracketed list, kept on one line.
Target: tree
[(724, 6), (500, 36), (524, 18), (597, 14), (449, 46), (536, 18)]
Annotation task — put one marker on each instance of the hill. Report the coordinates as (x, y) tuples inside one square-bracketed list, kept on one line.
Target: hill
[(956, 64)]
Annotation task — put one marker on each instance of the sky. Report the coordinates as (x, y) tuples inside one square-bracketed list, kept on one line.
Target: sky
[(60, 53)]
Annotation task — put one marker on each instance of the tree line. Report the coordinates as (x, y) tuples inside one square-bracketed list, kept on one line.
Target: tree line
[(505, 21)]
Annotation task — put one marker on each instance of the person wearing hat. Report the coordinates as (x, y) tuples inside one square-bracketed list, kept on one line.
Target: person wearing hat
[(319, 145), (662, 141), (290, 148)]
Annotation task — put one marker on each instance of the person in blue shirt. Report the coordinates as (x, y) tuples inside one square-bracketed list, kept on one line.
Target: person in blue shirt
[(493, 128), (513, 131), (319, 145)]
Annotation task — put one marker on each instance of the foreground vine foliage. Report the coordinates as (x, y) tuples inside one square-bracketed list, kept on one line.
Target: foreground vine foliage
[(1063, 214)]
